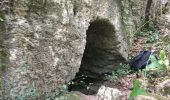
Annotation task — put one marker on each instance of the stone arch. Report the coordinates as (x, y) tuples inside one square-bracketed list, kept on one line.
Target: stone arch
[(101, 53)]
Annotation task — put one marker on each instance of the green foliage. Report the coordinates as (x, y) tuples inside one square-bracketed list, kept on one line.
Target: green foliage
[(158, 68), (162, 55), (152, 36), (123, 70), (161, 64), (137, 90), (154, 64), (163, 59)]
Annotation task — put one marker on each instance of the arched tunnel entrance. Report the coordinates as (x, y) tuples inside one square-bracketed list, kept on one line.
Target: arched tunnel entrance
[(101, 55)]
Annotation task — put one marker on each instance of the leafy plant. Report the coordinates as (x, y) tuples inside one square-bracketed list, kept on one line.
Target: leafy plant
[(161, 64), (158, 67), (152, 36), (163, 59), (123, 70), (137, 90)]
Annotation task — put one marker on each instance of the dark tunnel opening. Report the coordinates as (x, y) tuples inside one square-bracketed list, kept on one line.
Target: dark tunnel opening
[(100, 57)]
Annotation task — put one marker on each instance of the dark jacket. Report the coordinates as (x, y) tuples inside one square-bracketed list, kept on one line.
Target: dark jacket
[(140, 61)]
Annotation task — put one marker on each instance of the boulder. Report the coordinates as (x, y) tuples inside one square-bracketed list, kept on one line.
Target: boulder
[(107, 93)]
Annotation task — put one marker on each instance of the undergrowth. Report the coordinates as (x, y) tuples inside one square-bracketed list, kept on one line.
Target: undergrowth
[(122, 70), (159, 67), (137, 90)]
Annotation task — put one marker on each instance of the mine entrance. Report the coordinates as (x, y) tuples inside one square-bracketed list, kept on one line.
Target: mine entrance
[(99, 57)]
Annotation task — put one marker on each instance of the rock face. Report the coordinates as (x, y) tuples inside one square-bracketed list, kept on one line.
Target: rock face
[(46, 40)]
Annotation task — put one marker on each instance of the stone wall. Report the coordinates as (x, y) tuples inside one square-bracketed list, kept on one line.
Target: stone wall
[(46, 40)]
